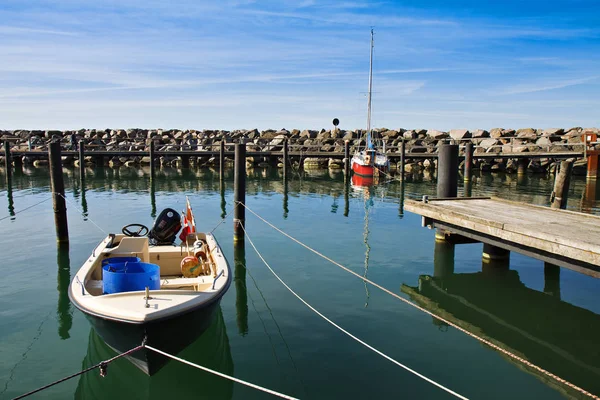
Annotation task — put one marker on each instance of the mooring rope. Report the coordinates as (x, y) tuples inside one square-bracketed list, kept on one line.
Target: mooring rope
[(222, 375), (26, 208), (345, 331), (410, 303), (82, 213), (103, 365)]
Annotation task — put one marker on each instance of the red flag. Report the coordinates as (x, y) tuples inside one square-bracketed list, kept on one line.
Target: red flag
[(190, 216), (186, 228)]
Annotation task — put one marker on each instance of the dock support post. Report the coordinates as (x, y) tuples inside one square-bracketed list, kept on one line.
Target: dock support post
[(402, 158), (552, 280), (185, 161), (241, 291), (58, 192), (592, 165), (152, 160), (347, 159), (222, 160), (447, 170), (239, 195), (493, 253), (443, 259), (7, 162), (522, 166), (285, 159), (468, 161), (560, 194), (82, 163)]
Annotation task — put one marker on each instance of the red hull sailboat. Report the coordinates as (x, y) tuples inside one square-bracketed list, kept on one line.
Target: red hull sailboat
[(369, 161)]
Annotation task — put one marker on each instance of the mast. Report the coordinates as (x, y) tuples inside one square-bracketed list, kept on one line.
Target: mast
[(369, 143)]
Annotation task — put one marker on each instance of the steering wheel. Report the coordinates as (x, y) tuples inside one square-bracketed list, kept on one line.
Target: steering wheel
[(142, 230)]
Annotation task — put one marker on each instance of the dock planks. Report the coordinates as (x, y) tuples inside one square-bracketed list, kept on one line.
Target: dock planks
[(565, 238)]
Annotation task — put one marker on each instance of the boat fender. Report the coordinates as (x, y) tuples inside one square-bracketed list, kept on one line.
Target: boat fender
[(191, 267), (368, 159)]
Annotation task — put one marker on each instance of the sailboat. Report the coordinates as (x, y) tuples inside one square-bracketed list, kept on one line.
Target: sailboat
[(369, 162)]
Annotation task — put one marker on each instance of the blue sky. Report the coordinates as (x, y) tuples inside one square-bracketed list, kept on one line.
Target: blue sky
[(230, 64)]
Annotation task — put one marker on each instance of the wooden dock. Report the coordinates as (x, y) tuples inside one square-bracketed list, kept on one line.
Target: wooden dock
[(559, 237)]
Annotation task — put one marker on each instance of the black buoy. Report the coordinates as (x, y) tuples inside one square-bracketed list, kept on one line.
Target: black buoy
[(336, 122)]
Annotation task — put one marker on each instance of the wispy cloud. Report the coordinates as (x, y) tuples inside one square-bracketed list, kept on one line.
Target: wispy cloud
[(547, 85), (16, 30)]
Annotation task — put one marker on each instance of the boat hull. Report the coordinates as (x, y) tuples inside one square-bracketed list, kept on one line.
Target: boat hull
[(367, 170), (171, 335)]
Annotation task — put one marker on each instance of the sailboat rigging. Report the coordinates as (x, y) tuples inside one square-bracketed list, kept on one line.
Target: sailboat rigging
[(369, 161)]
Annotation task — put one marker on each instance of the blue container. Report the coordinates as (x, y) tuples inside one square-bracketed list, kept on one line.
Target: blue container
[(117, 260), (130, 277)]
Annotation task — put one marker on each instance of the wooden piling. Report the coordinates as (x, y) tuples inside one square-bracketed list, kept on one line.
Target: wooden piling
[(185, 161), (285, 159), (468, 161), (402, 158), (239, 194), (347, 158), (447, 185), (7, 162), (82, 164), (522, 166), (560, 194), (58, 192), (222, 160), (592, 165), (494, 253)]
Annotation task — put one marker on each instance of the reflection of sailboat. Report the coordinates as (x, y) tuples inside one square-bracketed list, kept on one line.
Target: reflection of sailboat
[(175, 380), (551, 333), (368, 193)]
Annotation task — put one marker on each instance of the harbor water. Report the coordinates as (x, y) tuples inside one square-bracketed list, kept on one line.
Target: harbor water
[(265, 335)]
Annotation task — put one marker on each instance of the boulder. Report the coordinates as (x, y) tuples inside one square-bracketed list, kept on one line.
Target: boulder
[(435, 134), (459, 134), (409, 135), (527, 134), (496, 133), (487, 143), (480, 133), (553, 131)]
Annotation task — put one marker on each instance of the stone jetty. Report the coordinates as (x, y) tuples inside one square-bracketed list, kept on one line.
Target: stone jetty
[(425, 141)]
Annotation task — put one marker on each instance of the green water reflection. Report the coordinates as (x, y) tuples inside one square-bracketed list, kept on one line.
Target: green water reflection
[(546, 315)]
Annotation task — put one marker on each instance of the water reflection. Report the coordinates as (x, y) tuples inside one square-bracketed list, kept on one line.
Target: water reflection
[(241, 291), (11, 203), (286, 209), (496, 305), (175, 380), (64, 311)]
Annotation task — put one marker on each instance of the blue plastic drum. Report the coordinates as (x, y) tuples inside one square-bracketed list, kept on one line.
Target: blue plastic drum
[(130, 277), (117, 260)]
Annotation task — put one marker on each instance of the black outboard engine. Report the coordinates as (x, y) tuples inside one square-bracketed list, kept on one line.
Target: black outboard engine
[(166, 226)]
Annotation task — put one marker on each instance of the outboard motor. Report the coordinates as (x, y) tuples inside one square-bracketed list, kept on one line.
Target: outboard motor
[(166, 226)]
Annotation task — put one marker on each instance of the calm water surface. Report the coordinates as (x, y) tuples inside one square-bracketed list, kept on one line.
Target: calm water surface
[(262, 333)]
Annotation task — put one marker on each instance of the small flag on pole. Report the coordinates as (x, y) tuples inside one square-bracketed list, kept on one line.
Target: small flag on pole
[(189, 224)]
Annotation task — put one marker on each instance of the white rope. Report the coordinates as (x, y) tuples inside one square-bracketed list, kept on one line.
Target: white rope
[(345, 331), (26, 208), (410, 303), (82, 213), (222, 375)]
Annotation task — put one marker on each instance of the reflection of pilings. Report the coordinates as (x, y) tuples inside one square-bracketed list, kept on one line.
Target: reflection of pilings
[(552, 280), (468, 188), (84, 207), (401, 200), (7, 162), (63, 309), (241, 296), (346, 197), (285, 198), (223, 202), (588, 200), (443, 259), (152, 197), (11, 203)]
